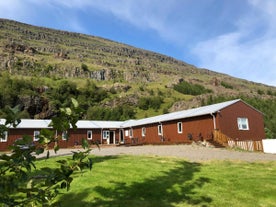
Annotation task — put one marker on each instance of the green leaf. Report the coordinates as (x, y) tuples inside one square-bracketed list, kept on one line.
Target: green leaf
[(39, 150), (75, 103), (84, 144)]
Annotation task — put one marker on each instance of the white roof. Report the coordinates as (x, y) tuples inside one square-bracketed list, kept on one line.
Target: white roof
[(204, 110), (34, 123), (108, 124), (86, 124)]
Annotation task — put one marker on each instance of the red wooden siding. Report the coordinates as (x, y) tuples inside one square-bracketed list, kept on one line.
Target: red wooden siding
[(75, 137), (193, 129), (227, 122)]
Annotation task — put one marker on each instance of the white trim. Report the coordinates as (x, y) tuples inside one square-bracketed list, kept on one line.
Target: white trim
[(36, 135), (121, 136), (179, 127), (64, 135), (106, 134), (160, 129), (243, 123), (130, 132), (5, 138), (89, 134), (143, 131)]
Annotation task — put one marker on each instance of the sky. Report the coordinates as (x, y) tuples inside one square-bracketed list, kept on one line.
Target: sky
[(235, 37)]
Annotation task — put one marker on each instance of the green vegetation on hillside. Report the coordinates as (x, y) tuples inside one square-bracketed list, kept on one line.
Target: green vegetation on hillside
[(191, 89), (42, 68)]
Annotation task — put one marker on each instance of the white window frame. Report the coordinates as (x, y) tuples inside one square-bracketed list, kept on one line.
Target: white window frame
[(36, 135), (5, 138), (126, 133), (89, 134), (160, 129), (64, 135), (106, 134), (179, 127), (243, 123), (131, 133), (143, 131)]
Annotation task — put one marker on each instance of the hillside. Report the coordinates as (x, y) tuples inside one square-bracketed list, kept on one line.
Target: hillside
[(41, 68)]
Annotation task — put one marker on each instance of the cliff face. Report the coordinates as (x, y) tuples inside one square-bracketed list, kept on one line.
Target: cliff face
[(29, 50), (129, 73)]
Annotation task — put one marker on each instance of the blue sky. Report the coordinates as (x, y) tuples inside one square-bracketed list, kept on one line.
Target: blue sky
[(236, 37)]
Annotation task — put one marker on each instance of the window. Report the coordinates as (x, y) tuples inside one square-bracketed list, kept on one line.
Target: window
[(105, 134), (89, 134), (131, 133), (64, 135), (126, 133), (143, 131), (179, 127), (4, 137), (160, 130), (36, 135), (243, 124)]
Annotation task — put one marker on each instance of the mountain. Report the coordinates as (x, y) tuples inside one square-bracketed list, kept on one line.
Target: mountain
[(44, 62)]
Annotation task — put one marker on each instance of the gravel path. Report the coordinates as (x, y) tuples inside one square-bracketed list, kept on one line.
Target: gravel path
[(192, 153)]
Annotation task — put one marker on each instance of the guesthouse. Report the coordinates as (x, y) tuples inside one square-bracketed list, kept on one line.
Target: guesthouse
[(235, 120)]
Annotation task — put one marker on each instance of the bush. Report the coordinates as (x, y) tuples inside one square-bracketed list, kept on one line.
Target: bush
[(190, 89), (226, 85), (150, 102)]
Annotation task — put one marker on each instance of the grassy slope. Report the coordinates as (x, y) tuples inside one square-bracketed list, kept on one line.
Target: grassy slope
[(135, 64), (158, 181)]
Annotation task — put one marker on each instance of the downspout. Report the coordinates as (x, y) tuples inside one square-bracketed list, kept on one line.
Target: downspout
[(214, 121)]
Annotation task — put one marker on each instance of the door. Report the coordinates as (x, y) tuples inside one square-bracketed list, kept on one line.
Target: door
[(111, 137), (122, 136)]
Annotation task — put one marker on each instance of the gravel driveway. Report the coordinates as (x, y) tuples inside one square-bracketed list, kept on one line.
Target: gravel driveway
[(192, 153)]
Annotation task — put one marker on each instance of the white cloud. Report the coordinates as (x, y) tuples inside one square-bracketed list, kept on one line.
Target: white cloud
[(146, 15), (247, 52)]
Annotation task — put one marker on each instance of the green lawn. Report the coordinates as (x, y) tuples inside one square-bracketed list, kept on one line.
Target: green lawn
[(158, 181)]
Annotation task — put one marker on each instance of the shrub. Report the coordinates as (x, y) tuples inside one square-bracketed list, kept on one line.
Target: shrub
[(226, 85), (190, 89), (150, 102)]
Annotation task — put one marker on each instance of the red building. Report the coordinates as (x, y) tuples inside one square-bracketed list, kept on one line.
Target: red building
[(235, 119)]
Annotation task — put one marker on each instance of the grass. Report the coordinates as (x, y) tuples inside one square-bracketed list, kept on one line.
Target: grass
[(162, 181)]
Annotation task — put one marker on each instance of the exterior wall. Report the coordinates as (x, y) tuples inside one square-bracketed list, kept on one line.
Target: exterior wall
[(193, 129), (75, 137), (227, 122), (14, 134)]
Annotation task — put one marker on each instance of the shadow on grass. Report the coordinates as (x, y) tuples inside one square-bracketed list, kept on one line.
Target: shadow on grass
[(175, 187)]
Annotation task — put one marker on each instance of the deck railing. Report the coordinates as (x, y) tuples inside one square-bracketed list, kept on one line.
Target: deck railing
[(248, 145), (221, 138)]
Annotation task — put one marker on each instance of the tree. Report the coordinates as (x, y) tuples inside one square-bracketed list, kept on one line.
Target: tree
[(21, 184)]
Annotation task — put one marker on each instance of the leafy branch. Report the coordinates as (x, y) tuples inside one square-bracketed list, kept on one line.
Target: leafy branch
[(21, 183)]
